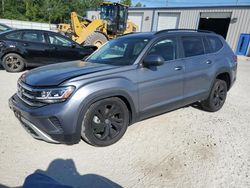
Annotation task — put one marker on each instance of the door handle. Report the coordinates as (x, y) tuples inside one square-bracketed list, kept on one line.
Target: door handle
[(25, 44), (178, 68), (53, 48), (208, 62)]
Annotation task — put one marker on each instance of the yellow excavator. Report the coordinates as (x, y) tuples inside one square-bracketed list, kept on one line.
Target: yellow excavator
[(64, 28), (112, 23)]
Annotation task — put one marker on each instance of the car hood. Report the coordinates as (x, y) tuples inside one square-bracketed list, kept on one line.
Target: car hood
[(52, 75)]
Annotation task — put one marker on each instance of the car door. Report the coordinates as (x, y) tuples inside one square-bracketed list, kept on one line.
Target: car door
[(161, 87), (35, 47), (198, 68), (63, 49)]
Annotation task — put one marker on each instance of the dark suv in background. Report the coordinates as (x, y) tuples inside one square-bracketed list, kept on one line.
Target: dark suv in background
[(130, 78), (23, 48)]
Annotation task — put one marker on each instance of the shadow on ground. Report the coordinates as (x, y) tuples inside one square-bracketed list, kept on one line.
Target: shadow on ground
[(65, 175)]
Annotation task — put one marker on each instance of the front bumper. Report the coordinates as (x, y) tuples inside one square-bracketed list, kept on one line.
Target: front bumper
[(33, 130), (54, 123)]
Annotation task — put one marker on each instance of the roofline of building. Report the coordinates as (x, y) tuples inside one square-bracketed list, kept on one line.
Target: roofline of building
[(189, 7)]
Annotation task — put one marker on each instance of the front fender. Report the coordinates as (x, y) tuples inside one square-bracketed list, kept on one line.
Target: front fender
[(92, 92), (218, 72)]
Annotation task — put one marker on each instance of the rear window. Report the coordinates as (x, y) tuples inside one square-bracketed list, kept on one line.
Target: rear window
[(193, 46), (15, 35), (215, 43)]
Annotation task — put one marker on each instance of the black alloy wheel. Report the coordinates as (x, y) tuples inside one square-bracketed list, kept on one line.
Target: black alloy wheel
[(105, 122), (217, 97), (13, 62)]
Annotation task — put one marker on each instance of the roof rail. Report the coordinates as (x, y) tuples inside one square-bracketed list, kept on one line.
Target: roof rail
[(193, 30)]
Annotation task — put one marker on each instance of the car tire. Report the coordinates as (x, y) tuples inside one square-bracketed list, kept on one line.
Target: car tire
[(105, 122), (13, 62), (96, 38), (216, 98)]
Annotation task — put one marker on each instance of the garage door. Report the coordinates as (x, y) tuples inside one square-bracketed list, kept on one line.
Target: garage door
[(167, 21), (217, 22), (136, 18)]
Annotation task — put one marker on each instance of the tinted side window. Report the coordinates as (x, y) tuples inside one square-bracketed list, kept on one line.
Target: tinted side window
[(166, 48), (15, 35), (206, 45), (56, 40), (215, 43), (192, 45), (138, 47), (33, 37)]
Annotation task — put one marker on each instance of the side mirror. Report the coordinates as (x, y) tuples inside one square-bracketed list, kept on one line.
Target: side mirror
[(153, 60)]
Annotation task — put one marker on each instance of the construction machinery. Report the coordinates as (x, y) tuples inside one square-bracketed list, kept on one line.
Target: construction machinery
[(112, 23), (64, 28)]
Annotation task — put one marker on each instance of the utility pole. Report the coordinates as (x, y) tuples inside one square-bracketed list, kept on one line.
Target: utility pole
[(167, 3)]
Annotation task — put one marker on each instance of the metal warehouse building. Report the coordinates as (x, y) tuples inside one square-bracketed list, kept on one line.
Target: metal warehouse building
[(229, 21)]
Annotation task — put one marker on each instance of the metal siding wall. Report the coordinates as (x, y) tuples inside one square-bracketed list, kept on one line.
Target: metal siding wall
[(189, 18), (216, 14), (241, 26), (146, 24)]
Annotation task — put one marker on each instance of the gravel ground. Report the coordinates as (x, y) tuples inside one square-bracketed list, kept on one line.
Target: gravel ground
[(184, 148)]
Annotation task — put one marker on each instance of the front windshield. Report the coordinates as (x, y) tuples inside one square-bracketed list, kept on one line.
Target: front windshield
[(120, 52)]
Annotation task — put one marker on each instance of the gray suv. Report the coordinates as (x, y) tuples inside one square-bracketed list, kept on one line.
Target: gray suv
[(130, 78)]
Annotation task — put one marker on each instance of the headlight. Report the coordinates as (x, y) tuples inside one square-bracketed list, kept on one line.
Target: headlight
[(54, 95)]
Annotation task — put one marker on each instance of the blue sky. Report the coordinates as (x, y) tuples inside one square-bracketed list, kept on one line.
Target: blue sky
[(162, 3)]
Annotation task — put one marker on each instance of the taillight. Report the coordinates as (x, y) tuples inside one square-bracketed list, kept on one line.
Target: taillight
[(235, 58)]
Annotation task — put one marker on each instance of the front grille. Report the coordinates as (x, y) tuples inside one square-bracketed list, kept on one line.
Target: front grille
[(27, 94)]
